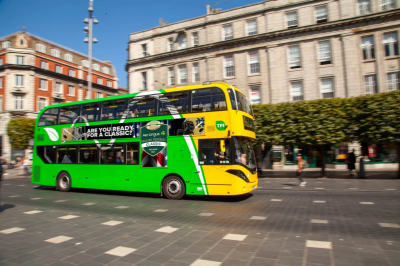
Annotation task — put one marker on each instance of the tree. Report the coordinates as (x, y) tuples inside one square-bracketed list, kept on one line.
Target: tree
[(20, 131), (377, 119)]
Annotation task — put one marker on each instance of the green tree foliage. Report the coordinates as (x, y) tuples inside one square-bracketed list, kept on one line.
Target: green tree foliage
[(20, 130)]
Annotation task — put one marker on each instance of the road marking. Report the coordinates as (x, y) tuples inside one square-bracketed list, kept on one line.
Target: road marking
[(367, 202), (258, 218), (318, 244), (14, 196), (58, 239), (276, 200), (160, 210), (200, 262), (206, 214), (319, 188), (389, 225), (112, 223), (120, 251), (316, 221), (32, 212), (235, 237), (89, 204), (121, 207), (166, 229), (60, 201), (319, 201), (11, 230), (36, 198), (67, 217)]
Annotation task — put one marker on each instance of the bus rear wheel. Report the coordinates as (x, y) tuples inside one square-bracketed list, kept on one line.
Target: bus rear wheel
[(174, 187), (64, 182)]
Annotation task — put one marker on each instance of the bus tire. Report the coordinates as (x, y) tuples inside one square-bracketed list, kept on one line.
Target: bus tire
[(64, 182), (173, 187)]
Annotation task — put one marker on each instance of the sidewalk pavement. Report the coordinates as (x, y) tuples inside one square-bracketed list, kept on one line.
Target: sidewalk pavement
[(329, 173)]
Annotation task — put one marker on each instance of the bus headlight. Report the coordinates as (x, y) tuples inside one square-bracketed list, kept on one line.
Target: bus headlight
[(238, 173)]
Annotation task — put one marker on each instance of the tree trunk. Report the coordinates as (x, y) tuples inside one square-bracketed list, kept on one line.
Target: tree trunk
[(398, 158), (323, 174)]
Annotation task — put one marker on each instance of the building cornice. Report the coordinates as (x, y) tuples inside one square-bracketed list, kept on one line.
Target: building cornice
[(267, 35), (56, 75)]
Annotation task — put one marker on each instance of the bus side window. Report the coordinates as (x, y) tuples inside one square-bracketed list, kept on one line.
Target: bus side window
[(67, 154), (132, 153), (177, 101), (51, 154), (88, 154), (114, 155), (141, 107), (68, 114), (210, 152), (113, 109), (90, 112), (201, 100), (49, 117)]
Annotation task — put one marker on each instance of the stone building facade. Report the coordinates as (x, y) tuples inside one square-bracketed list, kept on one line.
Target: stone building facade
[(276, 51), (35, 72)]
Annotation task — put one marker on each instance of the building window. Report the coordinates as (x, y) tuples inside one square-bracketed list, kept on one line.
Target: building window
[(144, 49), (1, 61), (68, 57), (227, 33), (367, 46), (55, 53), (1, 103), (58, 88), (43, 84), (324, 52), (196, 72), (321, 14), (229, 66), (58, 69), (370, 84), (71, 73), (291, 19), (251, 27), (109, 84), (40, 48), (182, 74), (327, 89), (171, 75), (41, 103), (19, 80), (254, 64), (195, 38), (391, 44), (364, 7), (106, 70), (99, 81), (85, 63), (296, 90), (294, 56), (71, 90), (144, 80), (182, 44), (43, 64), (19, 60), (96, 67), (6, 44), (19, 102), (393, 81), (1, 82), (170, 44), (99, 95), (387, 4), (255, 95)]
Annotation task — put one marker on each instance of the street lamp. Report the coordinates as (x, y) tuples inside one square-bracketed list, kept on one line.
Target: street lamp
[(90, 39)]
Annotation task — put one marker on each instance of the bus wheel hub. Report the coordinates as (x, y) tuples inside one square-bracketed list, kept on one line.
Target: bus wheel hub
[(174, 186)]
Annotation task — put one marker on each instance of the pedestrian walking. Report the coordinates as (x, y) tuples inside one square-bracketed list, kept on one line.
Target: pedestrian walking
[(351, 162), (299, 172), (26, 166)]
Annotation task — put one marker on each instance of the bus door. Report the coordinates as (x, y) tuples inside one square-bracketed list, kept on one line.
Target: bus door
[(113, 169), (85, 174)]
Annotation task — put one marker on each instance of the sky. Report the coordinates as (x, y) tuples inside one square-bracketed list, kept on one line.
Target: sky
[(61, 21)]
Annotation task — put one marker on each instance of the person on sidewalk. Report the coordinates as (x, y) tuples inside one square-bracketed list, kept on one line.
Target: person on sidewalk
[(351, 162), (300, 169), (3, 165)]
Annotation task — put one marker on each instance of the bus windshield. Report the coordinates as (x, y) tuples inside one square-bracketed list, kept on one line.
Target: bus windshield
[(244, 154), (242, 102)]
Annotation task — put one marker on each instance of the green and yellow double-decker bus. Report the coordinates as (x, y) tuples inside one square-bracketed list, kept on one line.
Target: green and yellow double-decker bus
[(193, 140)]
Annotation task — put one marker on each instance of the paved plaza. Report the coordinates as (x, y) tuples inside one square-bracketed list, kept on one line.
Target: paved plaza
[(342, 222)]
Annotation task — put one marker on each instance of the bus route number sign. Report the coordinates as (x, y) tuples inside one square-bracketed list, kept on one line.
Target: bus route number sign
[(220, 125)]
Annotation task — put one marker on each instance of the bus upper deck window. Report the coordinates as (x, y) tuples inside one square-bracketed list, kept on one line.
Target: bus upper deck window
[(206, 100), (141, 106), (49, 117), (90, 112), (177, 101), (113, 109), (68, 114)]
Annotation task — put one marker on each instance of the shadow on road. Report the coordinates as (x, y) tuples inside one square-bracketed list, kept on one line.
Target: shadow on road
[(5, 207)]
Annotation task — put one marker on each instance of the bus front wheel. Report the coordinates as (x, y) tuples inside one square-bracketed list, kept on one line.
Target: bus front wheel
[(174, 187), (64, 182)]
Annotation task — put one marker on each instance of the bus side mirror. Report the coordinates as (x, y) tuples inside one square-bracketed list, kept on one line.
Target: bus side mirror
[(222, 146)]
